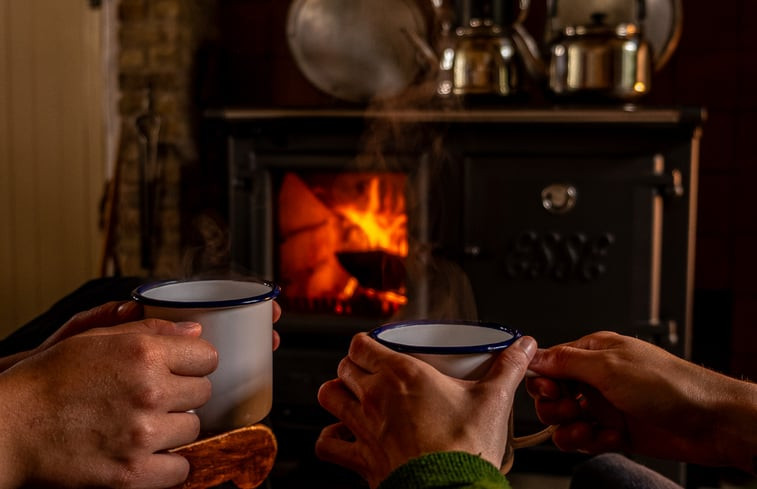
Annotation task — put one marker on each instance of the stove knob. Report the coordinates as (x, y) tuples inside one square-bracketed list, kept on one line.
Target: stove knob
[(559, 198)]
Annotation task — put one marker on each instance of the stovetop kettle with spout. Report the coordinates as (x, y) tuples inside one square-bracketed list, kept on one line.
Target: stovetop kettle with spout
[(602, 51), (487, 53)]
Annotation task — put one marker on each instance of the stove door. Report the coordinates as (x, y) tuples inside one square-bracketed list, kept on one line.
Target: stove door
[(561, 247)]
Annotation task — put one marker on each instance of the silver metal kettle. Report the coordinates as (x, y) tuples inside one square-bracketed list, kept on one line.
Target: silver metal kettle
[(485, 54), (608, 56), (484, 58), (479, 48), (601, 60)]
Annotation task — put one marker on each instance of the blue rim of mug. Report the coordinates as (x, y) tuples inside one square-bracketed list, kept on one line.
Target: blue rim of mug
[(486, 348), (138, 295)]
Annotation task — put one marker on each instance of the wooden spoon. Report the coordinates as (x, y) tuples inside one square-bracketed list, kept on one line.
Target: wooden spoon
[(244, 456)]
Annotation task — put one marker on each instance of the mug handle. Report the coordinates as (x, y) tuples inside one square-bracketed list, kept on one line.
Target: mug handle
[(534, 439), (514, 442)]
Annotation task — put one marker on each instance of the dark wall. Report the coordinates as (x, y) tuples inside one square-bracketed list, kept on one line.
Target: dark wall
[(252, 59), (712, 67)]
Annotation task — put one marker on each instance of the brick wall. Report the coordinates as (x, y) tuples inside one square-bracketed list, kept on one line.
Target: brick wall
[(247, 62), (158, 41)]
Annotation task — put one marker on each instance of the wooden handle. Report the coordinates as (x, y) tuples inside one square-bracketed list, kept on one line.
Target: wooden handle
[(244, 456)]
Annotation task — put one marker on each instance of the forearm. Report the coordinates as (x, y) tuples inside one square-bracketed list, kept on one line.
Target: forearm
[(11, 410), (737, 425), (11, 360), (12, 465)]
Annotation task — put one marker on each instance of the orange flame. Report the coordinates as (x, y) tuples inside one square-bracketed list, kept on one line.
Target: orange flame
[(360, 212), (383, 220)]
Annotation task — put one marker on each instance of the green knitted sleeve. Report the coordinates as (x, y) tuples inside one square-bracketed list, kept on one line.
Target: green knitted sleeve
[(448, 470)]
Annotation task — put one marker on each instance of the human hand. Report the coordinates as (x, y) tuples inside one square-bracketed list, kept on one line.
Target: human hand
[(610, 392), (113, 313), (393, 407), (108, 314), (99, 408)]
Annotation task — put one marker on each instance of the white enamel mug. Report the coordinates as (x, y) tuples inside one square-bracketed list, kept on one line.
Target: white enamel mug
[(237, 319), (460, 349)]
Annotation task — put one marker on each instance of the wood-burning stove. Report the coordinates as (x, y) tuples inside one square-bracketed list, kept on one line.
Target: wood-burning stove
[(559, 222)]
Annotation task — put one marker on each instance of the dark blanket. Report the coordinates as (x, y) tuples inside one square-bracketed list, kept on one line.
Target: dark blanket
[(89, 295)]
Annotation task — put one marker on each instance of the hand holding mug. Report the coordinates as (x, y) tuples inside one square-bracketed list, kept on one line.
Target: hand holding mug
[(108, 314), (93, 408), (460, 349), (610, 392), (237, 319), (393, 407)]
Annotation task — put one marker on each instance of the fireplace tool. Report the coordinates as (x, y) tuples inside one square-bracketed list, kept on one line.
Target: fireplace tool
[(150, 176)]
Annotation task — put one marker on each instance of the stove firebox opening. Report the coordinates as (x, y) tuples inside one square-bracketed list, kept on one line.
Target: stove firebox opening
[(342, 240)]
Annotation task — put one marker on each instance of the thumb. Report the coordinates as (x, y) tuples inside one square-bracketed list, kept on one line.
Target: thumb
[(152, 326), (567, 363), (510, 366), (581, 359)]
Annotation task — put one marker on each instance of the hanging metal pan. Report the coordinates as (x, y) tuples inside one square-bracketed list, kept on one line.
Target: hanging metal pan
[(356, 50)]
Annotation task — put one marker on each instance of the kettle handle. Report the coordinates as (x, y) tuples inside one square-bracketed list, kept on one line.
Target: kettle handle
[(667, 52), (551, 25), (529, 50), (523, 6), (496, 6), (641, 10)]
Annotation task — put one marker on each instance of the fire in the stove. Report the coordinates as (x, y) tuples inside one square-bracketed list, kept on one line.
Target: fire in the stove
[(380, 214), (343, 241)]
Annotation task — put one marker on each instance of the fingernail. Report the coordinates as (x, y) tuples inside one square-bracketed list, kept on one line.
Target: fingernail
[(188, 325), (529, 345), (123, 309)]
